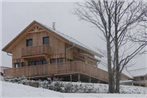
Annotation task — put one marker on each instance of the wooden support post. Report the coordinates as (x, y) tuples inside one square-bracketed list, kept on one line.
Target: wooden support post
[(89, 79), (79, 78), (71, 78)]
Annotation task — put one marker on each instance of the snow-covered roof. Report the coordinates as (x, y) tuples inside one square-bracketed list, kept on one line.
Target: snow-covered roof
[(73, 40), (103, 65), (126, 72), (129, 73), (138, 72)]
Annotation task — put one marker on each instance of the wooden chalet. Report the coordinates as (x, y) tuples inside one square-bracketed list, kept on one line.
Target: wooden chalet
[(39, 52), (139, 77), (140, 80)]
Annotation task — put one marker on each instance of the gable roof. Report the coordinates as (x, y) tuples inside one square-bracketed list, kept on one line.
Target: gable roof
[(64, 36), (138, 72)]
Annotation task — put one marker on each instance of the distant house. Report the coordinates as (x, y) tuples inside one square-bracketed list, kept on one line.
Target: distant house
[(140, 80), (2, 68), (39, 52), (139, 77)]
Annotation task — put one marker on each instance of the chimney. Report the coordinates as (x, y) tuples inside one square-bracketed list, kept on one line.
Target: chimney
[(53, 26)]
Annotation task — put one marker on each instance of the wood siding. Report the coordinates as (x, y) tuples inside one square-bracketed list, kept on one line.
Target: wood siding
[(36, 50), (58, 69)]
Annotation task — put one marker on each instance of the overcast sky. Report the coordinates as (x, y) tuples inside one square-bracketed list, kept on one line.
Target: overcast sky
[(16, 16)]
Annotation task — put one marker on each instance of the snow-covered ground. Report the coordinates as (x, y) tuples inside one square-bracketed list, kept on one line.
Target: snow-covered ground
[(101, 88), (19, 90), (9, 90)]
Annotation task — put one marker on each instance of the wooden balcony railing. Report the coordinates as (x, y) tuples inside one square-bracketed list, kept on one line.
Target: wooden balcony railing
[(36, 50), (57, 69)]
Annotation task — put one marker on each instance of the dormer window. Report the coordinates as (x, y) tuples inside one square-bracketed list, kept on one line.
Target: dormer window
[(29, 42), (46, 40)]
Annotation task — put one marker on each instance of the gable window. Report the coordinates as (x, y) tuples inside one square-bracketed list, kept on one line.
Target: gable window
[(46, 40), (29, 42)]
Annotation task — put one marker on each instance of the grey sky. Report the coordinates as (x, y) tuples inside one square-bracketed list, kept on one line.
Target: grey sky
[(16, 16)]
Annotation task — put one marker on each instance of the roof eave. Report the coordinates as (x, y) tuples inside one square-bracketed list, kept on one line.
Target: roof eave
[(9, 44)]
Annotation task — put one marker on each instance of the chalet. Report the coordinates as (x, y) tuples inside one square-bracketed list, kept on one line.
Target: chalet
[(140, 80), (39, 52), (139, 77)]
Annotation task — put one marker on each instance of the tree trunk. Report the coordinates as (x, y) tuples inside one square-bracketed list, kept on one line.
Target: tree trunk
[(117, 82), (116, 43), (117, 77), (111, 84)]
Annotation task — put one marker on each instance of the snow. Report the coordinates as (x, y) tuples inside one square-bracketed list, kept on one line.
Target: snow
[(138, 72), (18, 91), (77, 87)]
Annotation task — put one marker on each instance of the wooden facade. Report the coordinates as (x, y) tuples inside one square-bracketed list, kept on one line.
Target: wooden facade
[(59, 70), (140, 80), (39, 52)]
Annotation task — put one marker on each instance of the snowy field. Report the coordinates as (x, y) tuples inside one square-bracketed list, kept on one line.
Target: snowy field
[(9, 90), (79, 87)]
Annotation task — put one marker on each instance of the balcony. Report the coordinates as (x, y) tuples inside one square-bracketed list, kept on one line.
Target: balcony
[(36, 50), (73, 67)]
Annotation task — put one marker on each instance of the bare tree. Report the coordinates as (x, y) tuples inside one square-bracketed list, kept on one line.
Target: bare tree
[(116, 19), (141, 37)]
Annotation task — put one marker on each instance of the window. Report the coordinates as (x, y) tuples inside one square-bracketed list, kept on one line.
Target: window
[(60, 60), (44, 62), (142, 78), (31, 63), (17, 65), (46, 40), (53, 61), (29, 42), (57, 61), (22, 64), (37, 62)]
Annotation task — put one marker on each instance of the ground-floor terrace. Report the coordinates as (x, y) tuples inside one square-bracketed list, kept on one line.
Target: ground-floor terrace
[(68, 71)]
